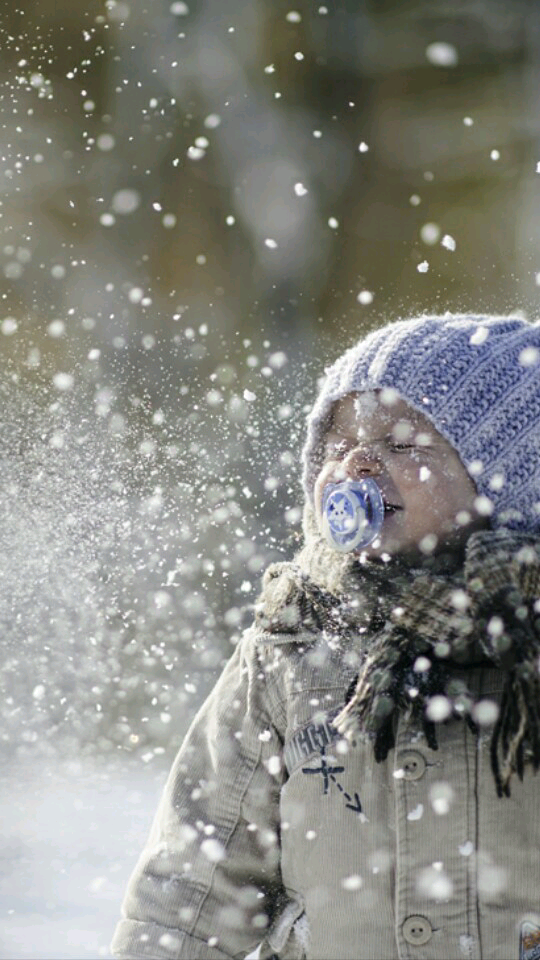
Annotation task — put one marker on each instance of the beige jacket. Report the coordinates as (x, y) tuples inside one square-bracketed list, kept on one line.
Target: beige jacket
[(275, 838)]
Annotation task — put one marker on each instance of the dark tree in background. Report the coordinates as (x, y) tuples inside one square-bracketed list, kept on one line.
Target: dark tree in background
[(202, 204)]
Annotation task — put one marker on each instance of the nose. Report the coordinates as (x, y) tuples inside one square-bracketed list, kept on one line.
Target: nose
[(361, 462)]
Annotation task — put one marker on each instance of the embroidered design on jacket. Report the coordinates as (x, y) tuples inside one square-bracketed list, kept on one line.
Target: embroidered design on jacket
[(329, 774), (529, 941), (313, 738)]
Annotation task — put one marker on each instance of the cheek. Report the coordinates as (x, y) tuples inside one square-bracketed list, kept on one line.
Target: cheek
[(428, 490), (418, 476), (320, 483)]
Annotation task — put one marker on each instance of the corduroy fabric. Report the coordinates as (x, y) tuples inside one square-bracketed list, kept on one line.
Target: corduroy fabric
[(476, 378)]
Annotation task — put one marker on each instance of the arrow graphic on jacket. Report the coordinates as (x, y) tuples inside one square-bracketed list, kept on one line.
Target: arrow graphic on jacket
[(328, 774)]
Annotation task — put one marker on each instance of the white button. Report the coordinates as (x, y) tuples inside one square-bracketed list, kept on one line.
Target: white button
[(417, 931), (413, 765)]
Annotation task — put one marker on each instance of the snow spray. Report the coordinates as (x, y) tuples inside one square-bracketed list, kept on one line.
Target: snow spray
[(353, 514)]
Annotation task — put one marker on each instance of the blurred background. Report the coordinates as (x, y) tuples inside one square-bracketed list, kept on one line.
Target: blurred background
[(202, 204)]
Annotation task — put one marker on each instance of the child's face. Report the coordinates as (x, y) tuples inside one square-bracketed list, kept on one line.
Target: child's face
[(429, 496)]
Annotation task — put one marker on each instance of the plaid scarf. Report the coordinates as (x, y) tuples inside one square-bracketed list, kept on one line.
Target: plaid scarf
[(419, 626)]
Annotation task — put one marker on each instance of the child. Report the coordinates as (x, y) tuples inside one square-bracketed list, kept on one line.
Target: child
[(360, 782)]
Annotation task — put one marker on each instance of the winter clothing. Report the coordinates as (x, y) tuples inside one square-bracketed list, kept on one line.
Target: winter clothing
[(476, 379), (488, 616), (360, 783), (270, 813)]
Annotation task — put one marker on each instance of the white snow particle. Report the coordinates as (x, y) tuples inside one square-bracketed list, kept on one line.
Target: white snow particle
[(495, 155), (212, 121), (169, 942), (365, 297), (468, 121), (230, 220), (430, 233), (492, 880), (497, 481), (56, 328), (354, 882), (213, 850), (249, 396), (63, 381), (476, 467), (273, 765), (278, 359), (363, 147), (423, 267), (433, 883), (417, 813), (448, 242), (529, 357), (441, 795), (105, 142), (460, 599), (389, 396), (442, 54), (9, 326), (479, 336), (300, 190), (439, 708), (293, 16), (195, 153), (332, 222), (483, 506), (179, 9), (485, 712), (299, 55), (38, 692), (125, 201), (271, 244)]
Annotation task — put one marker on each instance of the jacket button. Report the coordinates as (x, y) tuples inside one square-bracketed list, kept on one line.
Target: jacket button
[(417, 931), (413, 765)]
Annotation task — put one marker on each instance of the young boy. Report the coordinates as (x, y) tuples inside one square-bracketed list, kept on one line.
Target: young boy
[(360, 782)]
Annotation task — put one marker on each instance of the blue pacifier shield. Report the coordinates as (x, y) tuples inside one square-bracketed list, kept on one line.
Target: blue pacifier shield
[(353, 514)]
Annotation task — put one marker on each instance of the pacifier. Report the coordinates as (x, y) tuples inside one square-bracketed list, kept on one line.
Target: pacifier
[(353, 514)]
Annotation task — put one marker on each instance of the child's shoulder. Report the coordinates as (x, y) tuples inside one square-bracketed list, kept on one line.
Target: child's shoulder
[(294, 608), (282, 604)]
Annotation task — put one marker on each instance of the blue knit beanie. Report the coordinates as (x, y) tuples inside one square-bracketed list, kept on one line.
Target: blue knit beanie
[(476, 378)]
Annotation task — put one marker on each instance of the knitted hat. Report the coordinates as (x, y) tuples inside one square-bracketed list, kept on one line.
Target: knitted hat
[(476, 378)]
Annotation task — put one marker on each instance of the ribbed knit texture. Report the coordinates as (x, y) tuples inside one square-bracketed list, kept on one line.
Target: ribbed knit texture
[(476, 378)]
